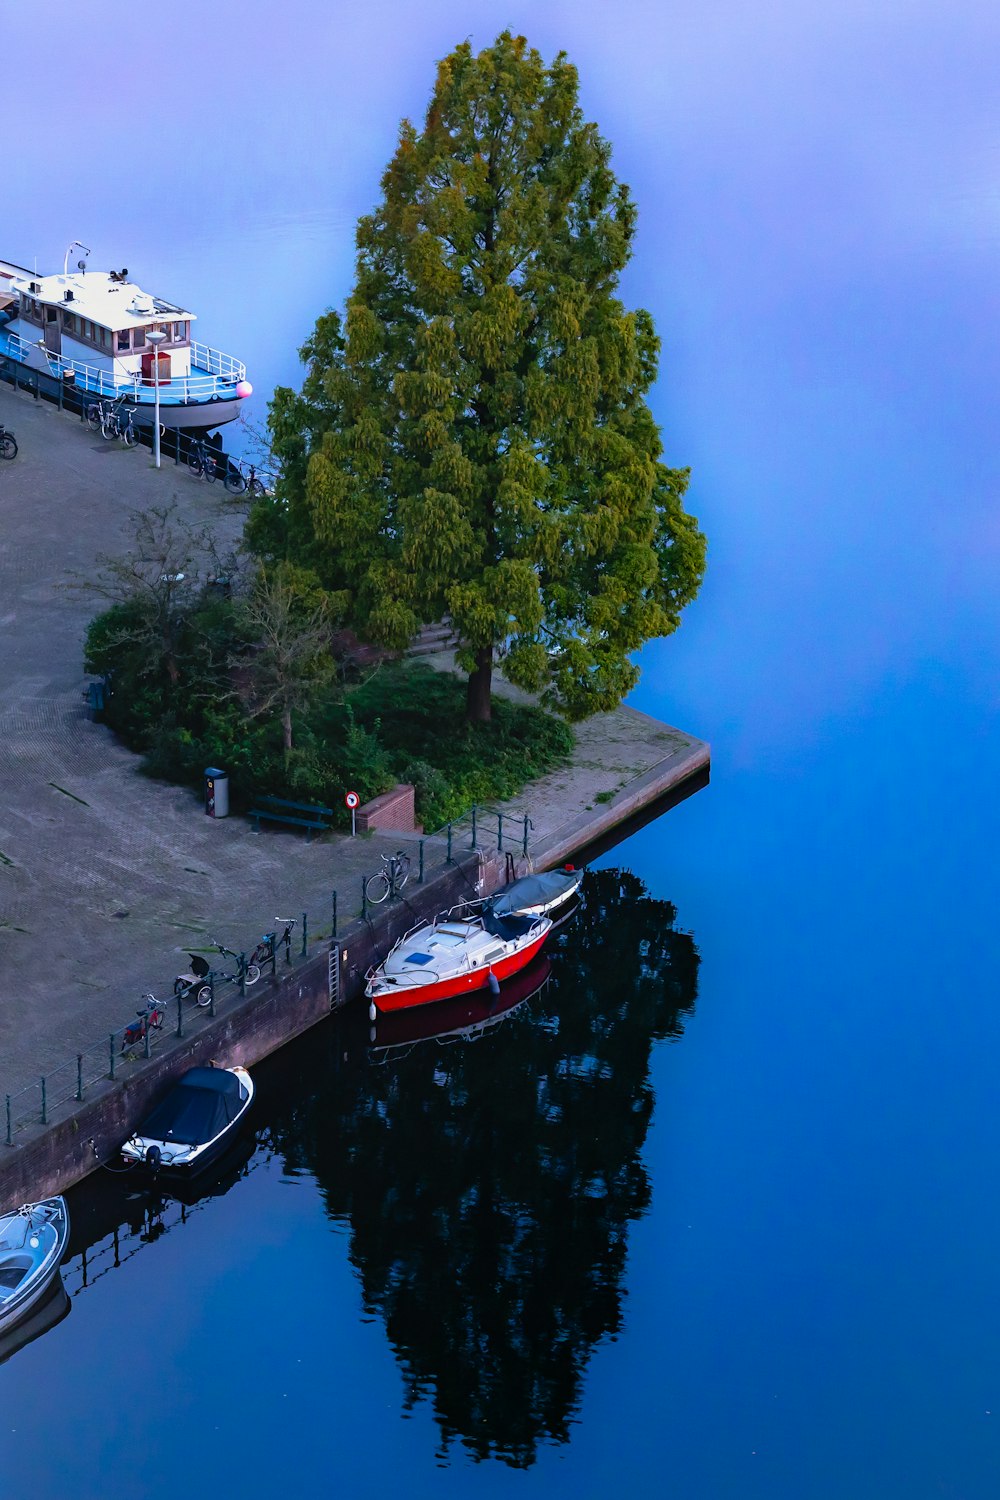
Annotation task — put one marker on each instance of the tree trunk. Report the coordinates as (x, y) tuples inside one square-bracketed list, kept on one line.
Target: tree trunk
[(478, 705), (286, 725)]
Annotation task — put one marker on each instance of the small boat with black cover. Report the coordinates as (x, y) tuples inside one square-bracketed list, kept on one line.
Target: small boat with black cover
[(536, 895), (194, 1123)]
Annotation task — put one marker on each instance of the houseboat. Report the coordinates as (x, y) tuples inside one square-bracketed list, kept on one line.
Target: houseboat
[(91, 329)]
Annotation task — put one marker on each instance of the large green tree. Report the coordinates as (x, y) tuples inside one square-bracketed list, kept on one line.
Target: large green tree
[(472, 440)]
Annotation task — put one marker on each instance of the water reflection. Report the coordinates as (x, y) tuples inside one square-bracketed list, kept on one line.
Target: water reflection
[(489, 1187), (462, 1020), (44, 1315), (486, 1165), (115, 1214)]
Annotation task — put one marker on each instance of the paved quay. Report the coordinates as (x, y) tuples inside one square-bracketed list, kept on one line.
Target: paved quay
[(107, 877)]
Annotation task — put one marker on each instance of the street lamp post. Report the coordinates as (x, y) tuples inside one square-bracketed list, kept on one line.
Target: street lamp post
[(156, 337)]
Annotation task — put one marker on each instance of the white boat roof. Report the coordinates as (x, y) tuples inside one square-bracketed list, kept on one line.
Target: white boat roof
[(102, 297), (441, 942)]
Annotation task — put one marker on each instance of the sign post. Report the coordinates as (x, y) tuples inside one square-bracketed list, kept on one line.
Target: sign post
[(351, 800)]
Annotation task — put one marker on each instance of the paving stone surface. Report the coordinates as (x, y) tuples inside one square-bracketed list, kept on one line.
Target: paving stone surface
[(106, 877)]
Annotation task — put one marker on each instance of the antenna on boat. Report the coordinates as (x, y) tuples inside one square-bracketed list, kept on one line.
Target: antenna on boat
[(75, 244)]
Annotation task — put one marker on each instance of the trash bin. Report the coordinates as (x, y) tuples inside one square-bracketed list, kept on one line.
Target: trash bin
[(216, 792), (95, 701)]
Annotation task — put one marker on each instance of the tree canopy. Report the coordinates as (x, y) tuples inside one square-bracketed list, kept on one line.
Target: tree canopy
[(472, 439)]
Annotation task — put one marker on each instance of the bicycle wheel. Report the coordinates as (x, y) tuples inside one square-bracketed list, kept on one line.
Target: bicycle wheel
[(210, 470), (129, 436), (94, 414), (235, 482), (194, 464), (402, 873), (8, 446), (377, 888), (256, 487), (252, 974), (203, 995), (109, 427)]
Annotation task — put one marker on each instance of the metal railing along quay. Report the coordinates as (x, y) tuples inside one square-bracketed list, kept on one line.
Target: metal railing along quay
[(109, 1057)]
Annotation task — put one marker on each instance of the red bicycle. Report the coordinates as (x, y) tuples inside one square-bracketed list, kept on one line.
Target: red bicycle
[(150, 1019)]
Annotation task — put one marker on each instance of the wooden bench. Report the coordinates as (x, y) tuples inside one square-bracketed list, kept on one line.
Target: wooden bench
[(308, 815)]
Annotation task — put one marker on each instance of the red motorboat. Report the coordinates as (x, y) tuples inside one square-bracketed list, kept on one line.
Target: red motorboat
[(454, 955)]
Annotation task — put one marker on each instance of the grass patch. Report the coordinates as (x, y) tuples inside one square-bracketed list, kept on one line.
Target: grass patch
[(418, 717)]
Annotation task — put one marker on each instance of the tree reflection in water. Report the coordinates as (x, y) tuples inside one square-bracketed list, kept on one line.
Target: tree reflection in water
[(489, 1185)]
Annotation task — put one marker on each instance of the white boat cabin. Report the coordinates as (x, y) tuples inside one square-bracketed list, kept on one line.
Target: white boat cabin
[(101, 319)]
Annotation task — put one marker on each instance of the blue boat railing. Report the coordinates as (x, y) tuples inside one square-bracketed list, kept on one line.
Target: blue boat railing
[(214, 373)]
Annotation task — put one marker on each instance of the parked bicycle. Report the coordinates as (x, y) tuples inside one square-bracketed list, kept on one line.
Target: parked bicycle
[(390, 879), (247, 970), (8, 444), (149, 1019), (265, 951), (238, 482), (114, 419), (127, 430), (203, 463)]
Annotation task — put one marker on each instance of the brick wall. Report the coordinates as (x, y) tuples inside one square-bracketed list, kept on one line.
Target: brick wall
[(393, 811)]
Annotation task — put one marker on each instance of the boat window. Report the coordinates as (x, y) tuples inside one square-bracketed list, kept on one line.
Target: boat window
[(138, 338), (50, 315), (493, 954), (70, 322), (180, 332), (122, 340), (106, 337)]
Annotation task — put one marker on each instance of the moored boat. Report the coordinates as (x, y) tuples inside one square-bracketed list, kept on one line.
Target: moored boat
[(194, 1123), (91, 330), (454, 955), (32, 1241), (537, 895)]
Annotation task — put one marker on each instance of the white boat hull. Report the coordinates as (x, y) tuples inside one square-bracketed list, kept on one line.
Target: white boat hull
[(200, 414)]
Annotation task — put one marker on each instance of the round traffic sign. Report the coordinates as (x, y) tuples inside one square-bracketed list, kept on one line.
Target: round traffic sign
[(352, 799)]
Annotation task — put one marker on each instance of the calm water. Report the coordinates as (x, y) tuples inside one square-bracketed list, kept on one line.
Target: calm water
[(712, 1215)]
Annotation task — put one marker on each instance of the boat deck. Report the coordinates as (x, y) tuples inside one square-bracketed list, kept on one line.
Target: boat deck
[(203, 383)]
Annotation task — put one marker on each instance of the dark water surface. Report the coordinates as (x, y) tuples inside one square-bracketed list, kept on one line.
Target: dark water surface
[(712, 1216)]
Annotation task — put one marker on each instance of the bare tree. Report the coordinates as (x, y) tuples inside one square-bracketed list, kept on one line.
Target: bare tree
[(168, 563), (287, 656)]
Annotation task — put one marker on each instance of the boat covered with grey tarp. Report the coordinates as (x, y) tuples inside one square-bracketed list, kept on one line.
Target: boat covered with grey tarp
[(32, 1242), (536, 895)]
